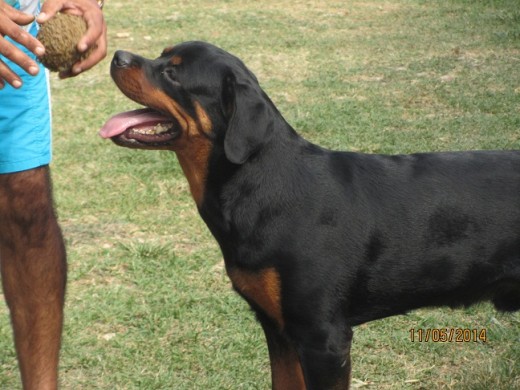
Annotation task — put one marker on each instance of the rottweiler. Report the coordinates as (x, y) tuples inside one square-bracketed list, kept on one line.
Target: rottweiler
[(318, 241)]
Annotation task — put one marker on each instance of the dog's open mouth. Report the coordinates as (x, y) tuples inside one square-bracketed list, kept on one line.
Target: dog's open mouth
[(144, 127)]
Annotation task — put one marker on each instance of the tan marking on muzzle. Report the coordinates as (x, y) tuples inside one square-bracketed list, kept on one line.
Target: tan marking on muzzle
[(193, 147)]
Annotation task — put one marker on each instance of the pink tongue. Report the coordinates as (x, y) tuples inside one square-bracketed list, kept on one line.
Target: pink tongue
[(125, 120)]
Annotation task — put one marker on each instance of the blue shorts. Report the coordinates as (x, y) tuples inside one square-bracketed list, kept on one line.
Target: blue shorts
[(25, 120)]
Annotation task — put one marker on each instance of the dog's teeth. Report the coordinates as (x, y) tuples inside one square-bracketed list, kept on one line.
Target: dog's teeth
[(160, 128), (157, 129)]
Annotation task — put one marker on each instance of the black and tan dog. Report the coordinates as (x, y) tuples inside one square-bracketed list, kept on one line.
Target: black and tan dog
[(318, 241)]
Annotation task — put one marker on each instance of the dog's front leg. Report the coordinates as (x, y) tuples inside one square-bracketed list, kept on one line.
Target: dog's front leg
[(308, 364), (326, 366), (286, 370)]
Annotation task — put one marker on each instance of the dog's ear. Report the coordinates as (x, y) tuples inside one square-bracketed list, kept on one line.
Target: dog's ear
[(249, 118)]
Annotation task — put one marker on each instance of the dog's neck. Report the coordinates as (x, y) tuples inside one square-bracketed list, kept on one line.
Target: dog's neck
[(229, 187)]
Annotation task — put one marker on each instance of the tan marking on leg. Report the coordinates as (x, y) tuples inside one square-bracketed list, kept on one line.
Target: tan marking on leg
[(262, 288), (286, 372)]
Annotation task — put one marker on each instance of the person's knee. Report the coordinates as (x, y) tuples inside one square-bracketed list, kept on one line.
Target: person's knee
[(26, 207)]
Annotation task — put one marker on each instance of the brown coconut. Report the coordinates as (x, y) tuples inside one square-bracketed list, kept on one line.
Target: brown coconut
[(60, 36)]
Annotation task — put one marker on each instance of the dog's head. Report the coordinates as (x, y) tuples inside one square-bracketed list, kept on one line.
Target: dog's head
[(194, 92)]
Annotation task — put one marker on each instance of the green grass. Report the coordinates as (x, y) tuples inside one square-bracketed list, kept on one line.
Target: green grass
[(148, 303)]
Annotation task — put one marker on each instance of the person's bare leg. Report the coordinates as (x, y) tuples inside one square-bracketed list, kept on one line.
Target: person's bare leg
[(33, 270)]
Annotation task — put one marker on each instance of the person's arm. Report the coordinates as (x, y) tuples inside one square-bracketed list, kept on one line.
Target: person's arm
[(96, 29), (10, 22)]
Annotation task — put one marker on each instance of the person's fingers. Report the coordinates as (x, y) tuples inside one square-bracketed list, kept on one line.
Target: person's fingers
[(95, 28), (8, 50), (48, 10), (98, 54), (8, 75), (25, 39), (10, 28), (10, 22), (18, 17)]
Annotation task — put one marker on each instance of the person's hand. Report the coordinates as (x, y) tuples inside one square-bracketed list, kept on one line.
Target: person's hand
[(10, 22), (96, 29)]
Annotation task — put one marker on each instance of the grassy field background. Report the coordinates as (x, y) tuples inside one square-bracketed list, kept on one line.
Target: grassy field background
[(149, 305)]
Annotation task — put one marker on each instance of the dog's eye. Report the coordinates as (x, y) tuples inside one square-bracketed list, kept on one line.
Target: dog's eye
[(171, 74)]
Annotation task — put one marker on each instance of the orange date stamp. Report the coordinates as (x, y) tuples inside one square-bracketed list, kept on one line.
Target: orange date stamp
[(448, 335)]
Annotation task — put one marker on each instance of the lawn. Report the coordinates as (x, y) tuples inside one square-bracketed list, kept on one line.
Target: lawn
[(148, 303)]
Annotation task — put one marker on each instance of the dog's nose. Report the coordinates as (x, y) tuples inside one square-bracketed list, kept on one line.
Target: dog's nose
[(122, 59)]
